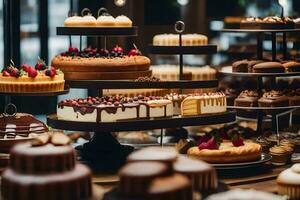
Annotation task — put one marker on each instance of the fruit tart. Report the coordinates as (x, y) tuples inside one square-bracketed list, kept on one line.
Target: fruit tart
[(23, 79)]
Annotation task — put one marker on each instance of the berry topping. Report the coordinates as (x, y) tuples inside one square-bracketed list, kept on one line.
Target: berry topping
[(40, 65), (237, 141), (5, 73), (32, 72), (25, 67), (104, 52), (50, 73), (134, 52), (14, 72), (118, 49), (73, 50), (210, 144)]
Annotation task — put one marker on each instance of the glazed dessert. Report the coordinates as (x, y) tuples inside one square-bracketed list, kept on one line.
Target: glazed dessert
[(273, 99), (270, 22), (268, 67), (45, 170), (114, 108), (25, 79), (171, 72), (288, 182), (101, 64), (173, 40), (281, 155), (245, 195), (292, 66), (204, 104), (174, 187), (247, 98), (135, 182), (245, 65), (202, 176)]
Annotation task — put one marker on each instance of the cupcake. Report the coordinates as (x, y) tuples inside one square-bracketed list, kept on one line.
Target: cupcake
[(297, 145), (264, 143), (280, 155), (288, 143), (73, 21), (123, 21), (288, 182), (105, 21), (88, 20)]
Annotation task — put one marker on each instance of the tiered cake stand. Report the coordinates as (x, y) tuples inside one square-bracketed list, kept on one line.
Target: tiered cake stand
[(103, 149), (262, 112)]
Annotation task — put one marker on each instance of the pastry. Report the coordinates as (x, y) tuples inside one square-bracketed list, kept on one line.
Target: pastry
[(26, 79), (183, 145), (202, 176), (174, 187), (273, 99), (292, 66), (73, 21), (105, 21), (268, 67), (136, 177), (247, 98), (270, 22), (245, 65), (204, 104), (123, 21), (88, 21), (102, 64), (113, 108), (173, 40), (228, 153), (280, 155), (264, 143), (288, 182), (45, 172)]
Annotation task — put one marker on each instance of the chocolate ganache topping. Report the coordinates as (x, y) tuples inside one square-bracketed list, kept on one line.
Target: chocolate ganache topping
[(248, 93), (273, 94)]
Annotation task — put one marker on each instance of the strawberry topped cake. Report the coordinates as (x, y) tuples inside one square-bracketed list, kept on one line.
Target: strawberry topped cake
[(41, 78), (92, 63), (229, 148)]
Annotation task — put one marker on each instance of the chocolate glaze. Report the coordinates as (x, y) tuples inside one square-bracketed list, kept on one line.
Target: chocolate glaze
[(247, 98), (273, 99)]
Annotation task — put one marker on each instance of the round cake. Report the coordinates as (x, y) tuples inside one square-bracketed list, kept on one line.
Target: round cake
[(227, 153), (173, 40), (25, 78), (268, 67), (102, 64), (45, 172), (288, 182)]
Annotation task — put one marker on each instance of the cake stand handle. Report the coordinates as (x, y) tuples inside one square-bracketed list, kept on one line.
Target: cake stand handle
[(179, 28), (274, 46)]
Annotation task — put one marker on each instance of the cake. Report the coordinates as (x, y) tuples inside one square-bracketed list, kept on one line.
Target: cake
[(46, 171), (73, 21), (202, 176), (232, 22), (228, 153), (288, 182), (247, 98), (293, 96), (292, 66), (135, 92), (268, 67), (102, 64), (270, 22), (204, 104), (273, 99), (177, 100), (136, 177), (26, 79), (245, 65), (174, 187), (123, 21), (173, 40), (109, 109), (280, 155)]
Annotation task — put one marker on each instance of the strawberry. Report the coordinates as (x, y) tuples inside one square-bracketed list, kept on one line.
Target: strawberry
[(40, 65), (118, 49), (134, 52), (50, 73), (204, 138), (32, 72), (73, 50), (14, 72), (5, 73), (104, 52), (87, 50), (53, 69), (237, 141), (25, 67), (210, 144)]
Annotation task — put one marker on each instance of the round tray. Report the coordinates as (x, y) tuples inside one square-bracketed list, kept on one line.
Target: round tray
[(98, 31), (171, 50), (264, 158), (36, 94), (260, 30), (228, 71), (129, 84), (263, 108), (141, 124)]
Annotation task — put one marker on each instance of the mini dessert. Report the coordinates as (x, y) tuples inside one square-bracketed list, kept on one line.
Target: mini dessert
[(264, 143), (108, 108), (268, 67), (202, 176), (87, 20), (245, 65), (25, 79), (123, 21), (270, 22), (288, 182), (231, 95), (293, 96), (273, 99), (106, 20), (157, 154), (173, 40), (247, 98), (204, 104), (280, 155), (102, 64), (73, 21), (183, 145), (136, 177), (245, 195), (45, 171), (292, 66), (174, 187)]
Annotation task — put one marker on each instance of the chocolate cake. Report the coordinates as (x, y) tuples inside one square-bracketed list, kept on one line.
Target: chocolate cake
[(247, 98), (45, 172), (273, 99), (268, 67), (292, 66), (245, 65), (293, 96)]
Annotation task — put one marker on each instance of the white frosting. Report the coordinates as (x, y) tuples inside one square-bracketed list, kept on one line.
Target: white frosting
[(104, 18), (73, 19), (89, 18), (290, 176), (123, 18)]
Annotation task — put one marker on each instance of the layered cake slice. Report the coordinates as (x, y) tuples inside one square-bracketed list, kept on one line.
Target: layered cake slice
[(114, 108), (273, 99), (204, 104)]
